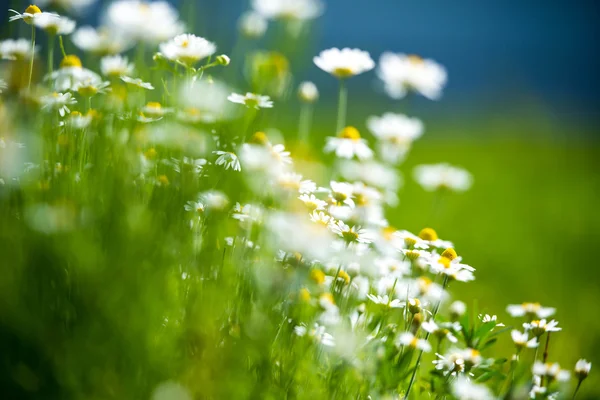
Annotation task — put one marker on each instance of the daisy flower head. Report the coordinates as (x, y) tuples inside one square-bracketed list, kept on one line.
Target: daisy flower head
[(312, 202), (78, 121), (465, 389), (90, 86), (541, 326), (30, 15), (395, 133), (293, 181), (16, 49), (452, 363), (402, 73), (137, 82), (321, 218), (354, 234), (344, 63), (187, 49), (552, 371), (251, 100), (317, 333), (150, 22), (348, 144), (59, 102), (54, 24), (385, 301), (102, 41), (410, 241), (531, 310), (441, 332), (288, 9), (341, 193), (442, 176), (3, 85), (154, 109), (521, 339), (582, 369), (115, 66), (75, 6), (413, 342), (252, 24), (308, 92), (204, 101), (228, 160)]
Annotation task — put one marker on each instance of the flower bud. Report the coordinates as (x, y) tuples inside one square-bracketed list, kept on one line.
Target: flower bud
[(223, 59), (428, 234), (308, 92), (457, 310), (414, 306), (70, 61), (582, 369)]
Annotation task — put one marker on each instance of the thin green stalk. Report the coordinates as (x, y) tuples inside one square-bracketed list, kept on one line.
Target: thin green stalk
[(32, 55), (62, 46), (306, 114), (342, 106), (414, 373), (50, 53), (577, 389)]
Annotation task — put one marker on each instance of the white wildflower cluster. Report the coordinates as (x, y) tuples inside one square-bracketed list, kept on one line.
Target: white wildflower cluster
[(311, 256)]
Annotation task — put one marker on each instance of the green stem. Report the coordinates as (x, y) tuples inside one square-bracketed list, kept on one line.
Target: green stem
[(414, 373), (577, 389), (62, 46), (50, 53), (342, 105), (32, 55), (306, 113)]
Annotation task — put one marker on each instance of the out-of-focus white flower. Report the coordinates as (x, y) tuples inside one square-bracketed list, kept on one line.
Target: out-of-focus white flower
[(349, 144), (154, 109), (294, 233), (248, 213), (19, 49), (402, 73), (457, 309), (372, 173), (308, 92), (354, 234), (410, 340), (385, 301), (319, 217), (2, 85), (520, 339), (170, 390), (294, 181), (410, 240), (59, 102), (150, 22), (288, 9), (582, 369), (75, 6), (251, 100), (55, 24), (533, 310), (252, 24), (29, 16), (71, 73), (551, 371), (187, 49), (395, 133), (464, 389), (317, 333), (442, 176), (312, 202), (204, 101), (115, 66), (78, 121), (228, 160), (441, 332), (539, 327), (485, 318), (90, 86), (100, 41), (137, 82), (344, 63)]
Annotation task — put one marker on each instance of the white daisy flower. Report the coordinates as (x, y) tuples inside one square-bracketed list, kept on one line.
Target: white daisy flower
[(288, 9), (31, 14), (533, 310), (385, 301), (150, 22), (396, 133), (341, 193), (344, 63), (321, 218), (551, 371), (16, 49), (137, 82), (442, 176), (195, 206), (402, 73), (312, 202), (78, 121), (391, 267), (252, 24), (228, 160), (251, 100), (154, 109), (59, 102), (115, 66), (204, 101), (187, 49), (55, 24), (75, 6), (582, 369), (457, 309), (539, 327), (308, 92), (354, 234), (521, 339), (3, 85), (410, 340), (293, 181), (214, 199), (247, 212), (317, 333), (100, 41), (409, 240), (349, 144), (464, 389), (372, 173), (441, 332), (485, 318), (70, 73), (90, 86), (452, 363)]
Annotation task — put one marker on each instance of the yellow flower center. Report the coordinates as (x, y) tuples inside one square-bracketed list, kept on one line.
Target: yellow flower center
[(350, 236), (414, 342), (343, 72), (445, 262), (33, 9), (87, 91), (344, 275), (304, 295), (259, 138), (450, 254), (415, 59), (163, 180), (412, 255), (328, 297), (388, 232), (409, 241), (150, 153), (428, 234), (349, 132), (154, 104), (317, 276), (70, 61), (75, 114)]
